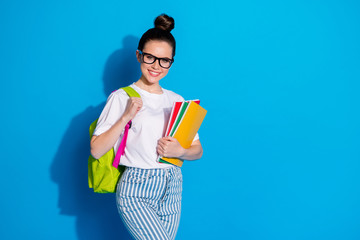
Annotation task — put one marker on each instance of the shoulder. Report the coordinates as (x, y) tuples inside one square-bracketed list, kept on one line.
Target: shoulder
[(118, 98), (119, 94), (173, 96)]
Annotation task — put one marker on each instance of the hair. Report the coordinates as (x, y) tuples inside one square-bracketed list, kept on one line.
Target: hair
[(163, 26)]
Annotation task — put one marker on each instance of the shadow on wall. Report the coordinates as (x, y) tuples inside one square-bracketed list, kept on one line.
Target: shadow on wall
[(96, 214)]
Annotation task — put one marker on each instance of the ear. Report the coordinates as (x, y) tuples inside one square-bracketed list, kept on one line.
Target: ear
[(138, 57)]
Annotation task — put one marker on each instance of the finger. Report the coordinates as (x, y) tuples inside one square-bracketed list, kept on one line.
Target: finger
[(136, 104), (159, 150), (171, 139), (136, 100), (160, 143), (163, 141), (166, 140), (162, 146)]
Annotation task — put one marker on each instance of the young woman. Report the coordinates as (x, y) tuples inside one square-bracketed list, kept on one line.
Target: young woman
[(149, 193)]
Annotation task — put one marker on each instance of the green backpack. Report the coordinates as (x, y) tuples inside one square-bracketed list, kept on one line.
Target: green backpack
[(105, 172)]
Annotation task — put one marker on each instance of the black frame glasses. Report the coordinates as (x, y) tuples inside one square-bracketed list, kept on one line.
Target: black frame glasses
[(151, 59)]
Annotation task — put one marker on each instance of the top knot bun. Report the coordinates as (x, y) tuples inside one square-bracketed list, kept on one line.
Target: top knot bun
[(161, 32), (164, 22)]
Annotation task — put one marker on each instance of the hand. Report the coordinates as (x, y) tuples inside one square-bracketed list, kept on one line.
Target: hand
[(170, 147), (134, 105)]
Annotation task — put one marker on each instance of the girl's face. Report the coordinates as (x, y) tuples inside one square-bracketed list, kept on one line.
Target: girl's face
[(152, 73)]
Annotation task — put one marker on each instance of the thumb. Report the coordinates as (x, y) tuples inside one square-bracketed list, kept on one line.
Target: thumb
[(170, 139)]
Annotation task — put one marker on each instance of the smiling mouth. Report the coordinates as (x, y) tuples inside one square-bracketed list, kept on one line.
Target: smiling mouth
[(154, 74)]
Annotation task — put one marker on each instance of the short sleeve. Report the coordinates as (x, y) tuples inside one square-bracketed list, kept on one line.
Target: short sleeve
[(196, 137), (113, 110), (179, 98)]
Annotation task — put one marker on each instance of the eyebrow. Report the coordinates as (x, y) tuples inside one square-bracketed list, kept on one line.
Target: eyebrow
[(156, 56)]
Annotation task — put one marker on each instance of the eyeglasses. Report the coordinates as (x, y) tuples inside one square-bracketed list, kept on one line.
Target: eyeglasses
[(150, 59)]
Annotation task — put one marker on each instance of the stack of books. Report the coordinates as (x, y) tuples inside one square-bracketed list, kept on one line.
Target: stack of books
[(185, 120)]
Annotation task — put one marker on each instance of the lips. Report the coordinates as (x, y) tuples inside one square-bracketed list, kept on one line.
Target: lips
[(154, 74)]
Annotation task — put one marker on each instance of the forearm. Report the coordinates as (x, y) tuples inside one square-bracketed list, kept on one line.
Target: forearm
[(104, 142), (194, 152)]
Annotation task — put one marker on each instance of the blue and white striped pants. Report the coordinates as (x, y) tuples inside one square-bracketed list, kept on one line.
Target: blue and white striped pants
[(149, 202)]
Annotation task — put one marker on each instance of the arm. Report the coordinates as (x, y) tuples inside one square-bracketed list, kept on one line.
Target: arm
[(170, 147), (101, 144)]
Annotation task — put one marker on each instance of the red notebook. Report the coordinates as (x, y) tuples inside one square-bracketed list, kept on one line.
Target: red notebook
[(174, 113)]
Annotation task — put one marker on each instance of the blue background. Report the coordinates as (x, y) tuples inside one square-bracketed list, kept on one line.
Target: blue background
[(280, 81)]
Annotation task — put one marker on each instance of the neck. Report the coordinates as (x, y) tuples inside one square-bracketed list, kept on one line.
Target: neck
[(151, 88)]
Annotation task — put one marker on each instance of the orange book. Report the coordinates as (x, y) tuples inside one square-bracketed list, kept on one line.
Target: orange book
[(187, 129)]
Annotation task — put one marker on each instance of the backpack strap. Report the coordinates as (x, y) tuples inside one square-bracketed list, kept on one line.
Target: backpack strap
[(131, 92), (121, 151)]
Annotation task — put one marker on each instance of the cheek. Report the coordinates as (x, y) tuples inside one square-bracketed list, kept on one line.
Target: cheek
[(165, 71), (143, 68)]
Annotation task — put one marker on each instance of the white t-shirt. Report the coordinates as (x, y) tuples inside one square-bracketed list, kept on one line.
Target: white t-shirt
[(148, 126)]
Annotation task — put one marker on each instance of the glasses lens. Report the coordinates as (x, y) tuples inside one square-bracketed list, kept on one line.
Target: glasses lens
[(165, 63), (148, 58)]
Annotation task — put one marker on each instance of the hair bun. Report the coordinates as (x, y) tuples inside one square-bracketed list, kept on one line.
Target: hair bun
[(164, 22)]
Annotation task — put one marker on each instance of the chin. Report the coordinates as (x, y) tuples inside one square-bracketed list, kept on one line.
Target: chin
[(152, 80)]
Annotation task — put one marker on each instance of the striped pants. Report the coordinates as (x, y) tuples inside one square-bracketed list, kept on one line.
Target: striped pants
[(149, 202)]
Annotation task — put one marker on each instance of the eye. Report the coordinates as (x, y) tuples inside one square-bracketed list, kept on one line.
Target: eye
[(165, 60), (149, 57)]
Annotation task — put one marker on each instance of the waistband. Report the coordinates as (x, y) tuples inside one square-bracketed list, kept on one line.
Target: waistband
[(173, 170)]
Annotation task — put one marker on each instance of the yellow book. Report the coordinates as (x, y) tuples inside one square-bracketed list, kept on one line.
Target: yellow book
[(187, 129)]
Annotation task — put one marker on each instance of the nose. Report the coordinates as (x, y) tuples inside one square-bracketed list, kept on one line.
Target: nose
[(156, 64)]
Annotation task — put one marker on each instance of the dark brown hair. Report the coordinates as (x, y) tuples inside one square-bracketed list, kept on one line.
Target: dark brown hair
[(163, 25)]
